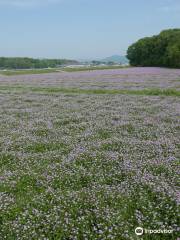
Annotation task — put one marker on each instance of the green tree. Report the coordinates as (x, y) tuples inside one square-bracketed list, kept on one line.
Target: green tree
[(160, 50), (27, 63)]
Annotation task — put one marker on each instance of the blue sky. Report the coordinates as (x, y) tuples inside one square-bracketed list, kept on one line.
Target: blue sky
[(81, 29)]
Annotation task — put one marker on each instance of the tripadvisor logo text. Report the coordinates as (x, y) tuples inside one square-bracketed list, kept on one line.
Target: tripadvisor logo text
[(140, 231)]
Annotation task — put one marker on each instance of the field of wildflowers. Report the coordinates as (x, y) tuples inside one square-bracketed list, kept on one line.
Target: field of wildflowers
[(79, 166)]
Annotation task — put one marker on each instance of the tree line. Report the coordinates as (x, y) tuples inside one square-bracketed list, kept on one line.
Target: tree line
[(161, 50), (30, 63)]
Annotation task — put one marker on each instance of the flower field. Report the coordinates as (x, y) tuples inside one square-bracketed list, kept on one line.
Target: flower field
[(79, 165)]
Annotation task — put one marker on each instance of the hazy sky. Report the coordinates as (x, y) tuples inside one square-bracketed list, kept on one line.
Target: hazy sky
[(81, 29)]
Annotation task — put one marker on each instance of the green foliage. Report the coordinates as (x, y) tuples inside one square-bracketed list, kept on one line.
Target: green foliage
[(160, 50), (28, 63)]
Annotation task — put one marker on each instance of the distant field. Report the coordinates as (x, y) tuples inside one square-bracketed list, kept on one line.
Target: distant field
[(70, 69), (89, 155), (23, 72), (93, 68)]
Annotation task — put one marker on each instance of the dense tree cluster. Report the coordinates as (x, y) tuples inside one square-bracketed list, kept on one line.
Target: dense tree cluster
[(160, 50), (28, 63)]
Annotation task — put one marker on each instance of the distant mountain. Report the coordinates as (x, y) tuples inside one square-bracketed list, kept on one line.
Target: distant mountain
[(116, 59)]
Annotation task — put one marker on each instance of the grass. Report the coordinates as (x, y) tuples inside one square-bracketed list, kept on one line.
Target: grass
[(29, 71), (52, 70), (92, 68), (145, 92)]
